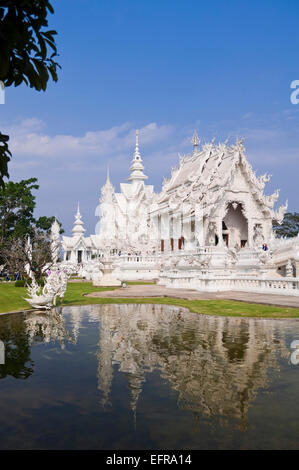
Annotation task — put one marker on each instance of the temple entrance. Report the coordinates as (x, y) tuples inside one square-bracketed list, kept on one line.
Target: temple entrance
[(235, 227), (79, 256)]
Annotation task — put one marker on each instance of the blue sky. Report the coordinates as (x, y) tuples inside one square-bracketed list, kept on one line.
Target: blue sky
[(165, 67)]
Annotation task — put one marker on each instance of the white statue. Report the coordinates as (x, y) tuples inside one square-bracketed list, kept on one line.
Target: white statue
[(55, 241), (234, 239), (211, 233), (258, 236), (55, 286), (289, 269)]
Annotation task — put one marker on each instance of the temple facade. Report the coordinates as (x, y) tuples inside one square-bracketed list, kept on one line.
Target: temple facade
[(209, 228), (123, 218), (124, 215), (214, 198)]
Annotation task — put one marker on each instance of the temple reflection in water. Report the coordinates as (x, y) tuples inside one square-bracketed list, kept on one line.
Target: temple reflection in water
[(216, 364), (113, 366)]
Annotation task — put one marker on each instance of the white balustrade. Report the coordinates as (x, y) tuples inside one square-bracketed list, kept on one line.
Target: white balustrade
[(287, 286)]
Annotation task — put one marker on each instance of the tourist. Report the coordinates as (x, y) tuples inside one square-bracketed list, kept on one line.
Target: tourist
[(7, 279)]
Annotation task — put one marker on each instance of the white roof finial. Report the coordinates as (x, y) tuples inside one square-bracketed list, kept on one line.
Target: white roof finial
[(108, 174), (137, 154), (195, 142)]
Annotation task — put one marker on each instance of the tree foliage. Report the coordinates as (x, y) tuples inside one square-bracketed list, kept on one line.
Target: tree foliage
[(45, 223), (27, 53), (17, 223), (17, 205), (5, 155), (19, 255), (289, 226)]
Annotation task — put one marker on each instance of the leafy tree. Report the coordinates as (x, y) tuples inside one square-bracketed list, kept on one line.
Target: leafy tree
[(18, 255), (27, 53), (289, 226), (17, 204), (5, 155), (45, 223)]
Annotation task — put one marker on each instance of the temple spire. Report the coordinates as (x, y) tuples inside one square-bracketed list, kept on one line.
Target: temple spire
[(108, 175), (107, 191), (137, 154), (78, 228), (195, 142), (137, 168)]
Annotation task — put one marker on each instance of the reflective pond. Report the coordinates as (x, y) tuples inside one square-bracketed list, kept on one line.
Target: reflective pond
[(147, 377)]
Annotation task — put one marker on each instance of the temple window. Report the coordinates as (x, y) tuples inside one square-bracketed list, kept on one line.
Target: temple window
[(192, 225), (181, 243)]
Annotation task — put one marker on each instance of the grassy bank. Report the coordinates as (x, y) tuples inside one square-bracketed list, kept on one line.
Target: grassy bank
[(11, 297), (11, 300), (75, 296)]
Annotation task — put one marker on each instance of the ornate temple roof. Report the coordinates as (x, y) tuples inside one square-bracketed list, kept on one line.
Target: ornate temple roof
[(207, 173)]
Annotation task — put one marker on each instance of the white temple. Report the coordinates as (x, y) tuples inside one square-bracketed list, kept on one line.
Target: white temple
[(210, 228)]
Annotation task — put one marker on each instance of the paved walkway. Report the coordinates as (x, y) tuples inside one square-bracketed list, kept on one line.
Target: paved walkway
[(136, 291)]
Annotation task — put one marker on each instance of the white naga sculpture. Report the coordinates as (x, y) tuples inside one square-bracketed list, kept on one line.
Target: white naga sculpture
[(56, 280), (55, 286)]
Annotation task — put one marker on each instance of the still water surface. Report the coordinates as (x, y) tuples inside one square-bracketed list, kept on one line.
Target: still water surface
[(147, 376)]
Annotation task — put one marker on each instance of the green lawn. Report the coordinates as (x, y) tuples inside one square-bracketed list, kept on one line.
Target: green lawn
[(11, 300), (11, 297)]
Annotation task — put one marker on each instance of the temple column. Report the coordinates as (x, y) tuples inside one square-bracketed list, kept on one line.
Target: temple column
[(187, 233), (154, 224), (219, 231), (177, 230), (165, 230), (199, 232), (250, 233)]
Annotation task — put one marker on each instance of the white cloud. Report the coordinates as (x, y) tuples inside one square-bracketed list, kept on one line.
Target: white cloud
[(28, 138), (73, 167)]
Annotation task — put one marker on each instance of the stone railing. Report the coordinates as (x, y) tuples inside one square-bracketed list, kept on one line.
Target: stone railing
[(286, 286), (137, 267), (140, 259)]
